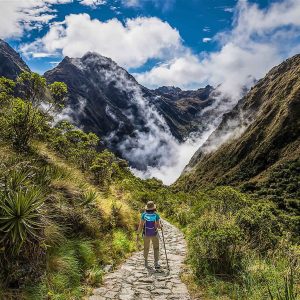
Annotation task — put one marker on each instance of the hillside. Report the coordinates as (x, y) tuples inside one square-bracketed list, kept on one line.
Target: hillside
[(263, 135), (11, 62)]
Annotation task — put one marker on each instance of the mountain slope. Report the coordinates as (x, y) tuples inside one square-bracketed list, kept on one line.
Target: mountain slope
[(268, 118), (105, 99), (11, 63)]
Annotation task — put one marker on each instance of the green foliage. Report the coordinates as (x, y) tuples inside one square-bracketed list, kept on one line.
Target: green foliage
[(20, 216), (22, 119), (261, 225), (7, 87), (121, 243), (94, 276), (74, 144), (23, 123), (88, 197), (58, 92), (86, 254), (281, 185), (215, 242), (32, 87), (107, 167), (288, 291)]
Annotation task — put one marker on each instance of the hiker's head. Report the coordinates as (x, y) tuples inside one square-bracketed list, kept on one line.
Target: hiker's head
[(150, 206)]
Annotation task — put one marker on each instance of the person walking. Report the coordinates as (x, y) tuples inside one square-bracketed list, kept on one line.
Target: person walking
[(149, 225)]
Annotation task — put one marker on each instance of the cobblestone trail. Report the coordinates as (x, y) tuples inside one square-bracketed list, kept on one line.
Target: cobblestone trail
[(132, 281)]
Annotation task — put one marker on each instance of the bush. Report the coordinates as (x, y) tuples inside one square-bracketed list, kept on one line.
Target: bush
[(121, 243), (262, 225), (215, 243)]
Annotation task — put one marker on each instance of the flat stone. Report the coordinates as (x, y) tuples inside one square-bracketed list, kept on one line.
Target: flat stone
[(132, 281)]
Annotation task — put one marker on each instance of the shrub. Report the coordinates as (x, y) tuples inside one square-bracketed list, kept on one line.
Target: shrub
[(215, 242), (24, 122), (262, 225), (121, 243)]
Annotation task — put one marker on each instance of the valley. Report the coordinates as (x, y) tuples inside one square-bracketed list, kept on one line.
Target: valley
[(72, 142)]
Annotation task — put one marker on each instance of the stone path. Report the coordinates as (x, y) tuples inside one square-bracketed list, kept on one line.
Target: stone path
[(132, 281)]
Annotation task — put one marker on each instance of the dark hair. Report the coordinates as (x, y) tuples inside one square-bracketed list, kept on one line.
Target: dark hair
[(150, 210)]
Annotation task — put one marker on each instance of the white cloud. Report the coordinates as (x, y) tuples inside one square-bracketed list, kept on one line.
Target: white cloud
[(260, 39), (131, 44), (206, 40), (92, 3), (184, 71), (163, 4), (23, 15)]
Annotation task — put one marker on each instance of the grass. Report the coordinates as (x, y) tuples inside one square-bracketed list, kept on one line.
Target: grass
[(79, 234)]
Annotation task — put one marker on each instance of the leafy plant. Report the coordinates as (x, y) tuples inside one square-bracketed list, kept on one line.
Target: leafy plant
[(88, 197), (215, 244), (20, 217)]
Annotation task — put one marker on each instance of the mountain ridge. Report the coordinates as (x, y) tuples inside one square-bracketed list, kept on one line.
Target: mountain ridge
[(270, 137), (11, 62)]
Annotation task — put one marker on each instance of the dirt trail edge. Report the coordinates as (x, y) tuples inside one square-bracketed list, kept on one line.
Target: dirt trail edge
[(132, 281)]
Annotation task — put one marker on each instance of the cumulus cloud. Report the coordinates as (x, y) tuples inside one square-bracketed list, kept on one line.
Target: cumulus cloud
[(130, 44), (260, 38), (164, 5), (23, 15), (206, 40), (92, 3)]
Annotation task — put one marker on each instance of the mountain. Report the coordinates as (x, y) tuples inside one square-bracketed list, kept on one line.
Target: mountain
[(105, 99), (11, 63), (258, 142), (183, 108)]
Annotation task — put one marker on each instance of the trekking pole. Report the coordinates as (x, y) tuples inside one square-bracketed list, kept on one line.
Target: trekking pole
[(162, 232)]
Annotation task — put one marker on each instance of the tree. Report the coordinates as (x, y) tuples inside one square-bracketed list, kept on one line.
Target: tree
[(76, 145), (102, 167), (7, 87), (58, 92), (24, 122), (24, 117), (32, 87)]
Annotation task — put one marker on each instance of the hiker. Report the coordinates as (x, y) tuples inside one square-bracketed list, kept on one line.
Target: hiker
[(149, 223)]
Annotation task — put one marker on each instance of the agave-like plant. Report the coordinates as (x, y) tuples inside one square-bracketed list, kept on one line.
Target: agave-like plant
[(88, 197), (20, 216)]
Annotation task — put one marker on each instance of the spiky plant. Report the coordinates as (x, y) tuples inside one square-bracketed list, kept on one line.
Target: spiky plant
[(288, 291), (20, 217), (88, 197)]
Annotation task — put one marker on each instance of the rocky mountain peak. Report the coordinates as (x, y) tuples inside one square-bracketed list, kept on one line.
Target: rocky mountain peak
[(11, 62)]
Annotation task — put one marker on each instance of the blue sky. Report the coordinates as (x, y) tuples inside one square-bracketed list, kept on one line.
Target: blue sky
[(194, 19), (188, 43)]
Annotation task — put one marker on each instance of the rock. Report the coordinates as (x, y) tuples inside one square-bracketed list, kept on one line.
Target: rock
[(107, 268)]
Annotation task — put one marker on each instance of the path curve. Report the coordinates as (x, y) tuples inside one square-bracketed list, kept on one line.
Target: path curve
[(132, 281)]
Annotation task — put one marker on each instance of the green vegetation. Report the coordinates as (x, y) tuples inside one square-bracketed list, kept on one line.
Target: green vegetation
[(58, 230), (240, 247), (68, 210)]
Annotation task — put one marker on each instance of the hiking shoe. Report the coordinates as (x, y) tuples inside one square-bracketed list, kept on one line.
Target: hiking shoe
[(157, 266)]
